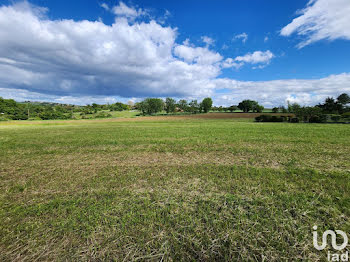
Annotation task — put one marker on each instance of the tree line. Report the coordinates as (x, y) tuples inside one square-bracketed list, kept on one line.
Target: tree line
[(331, 108), (151, 106), (12, 110)]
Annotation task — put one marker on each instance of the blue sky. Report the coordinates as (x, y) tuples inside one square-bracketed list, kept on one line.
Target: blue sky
[(105, 51)]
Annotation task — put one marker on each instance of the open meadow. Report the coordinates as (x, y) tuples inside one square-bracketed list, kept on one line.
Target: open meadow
[(171, 189)]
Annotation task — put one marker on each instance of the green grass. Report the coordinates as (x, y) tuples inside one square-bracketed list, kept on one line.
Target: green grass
[(180, 190)]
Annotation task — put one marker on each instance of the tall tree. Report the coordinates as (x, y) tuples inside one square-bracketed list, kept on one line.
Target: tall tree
[(194, 107), (153, 105), (331, 106), (206, 104), (232, 108), (343, 99), (247, 105), (183, 105), (170, 105)]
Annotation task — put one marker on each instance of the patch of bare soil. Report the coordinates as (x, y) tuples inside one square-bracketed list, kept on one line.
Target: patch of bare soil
[(233, 115)]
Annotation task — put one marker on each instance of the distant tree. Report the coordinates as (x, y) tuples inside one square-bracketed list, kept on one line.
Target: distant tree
[(293, 108), (232, 108), (283, 109), (275, 110), (331, 106), (141, 106), (310, 113), (182, 105), (118, 107), (206, 104), (343, 99), (335, 118), (258, 108), (247, 105), (194, 107), (220, 109), (95, 107), (152, 105), (170, 105)]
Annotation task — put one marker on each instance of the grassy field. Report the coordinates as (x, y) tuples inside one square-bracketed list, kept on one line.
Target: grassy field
[(171, 189)]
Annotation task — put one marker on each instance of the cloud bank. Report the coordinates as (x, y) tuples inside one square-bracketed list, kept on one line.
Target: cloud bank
[(278, 92), (89, 61)]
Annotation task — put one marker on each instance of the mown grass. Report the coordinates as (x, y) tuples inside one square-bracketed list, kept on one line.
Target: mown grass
[(171, 189)]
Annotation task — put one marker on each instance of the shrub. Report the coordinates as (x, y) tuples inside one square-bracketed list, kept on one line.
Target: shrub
[(2, 118), (103, 115), (335, 118), (268, 118), (294, 120), (258, 119), (318, 119), (346, 115), (276, 119)]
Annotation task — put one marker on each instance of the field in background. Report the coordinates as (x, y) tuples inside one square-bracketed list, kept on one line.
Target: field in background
[(172, 188), (113, 114)]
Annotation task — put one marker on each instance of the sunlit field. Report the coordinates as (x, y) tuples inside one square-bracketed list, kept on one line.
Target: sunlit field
[(171, 189)]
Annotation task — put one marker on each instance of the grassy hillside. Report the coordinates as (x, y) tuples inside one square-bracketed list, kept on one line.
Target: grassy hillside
[(171, 188)]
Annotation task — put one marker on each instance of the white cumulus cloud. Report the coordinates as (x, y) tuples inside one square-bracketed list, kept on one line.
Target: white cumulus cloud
[(130, 59), (129, 12), (207, 40), (105, 6), (257, 57), (200, 55), (278, 92), (85, 61)]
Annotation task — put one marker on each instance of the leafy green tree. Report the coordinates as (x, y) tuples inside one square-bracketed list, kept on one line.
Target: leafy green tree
[(141, 106), (293, 108), (170, 105), (258, 108), (283, 109), (275, 110), (206, 104), (150, 106), (118, 107), (183, 105), (331, 106), (194, 107), (95, 107), (335, 118), (343, 99), (247, 105), (155, 105), (309, 113), (232, 108)]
